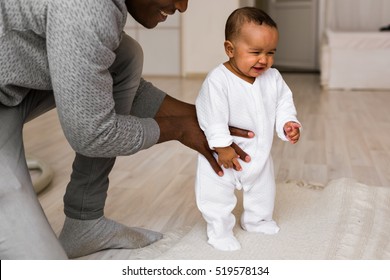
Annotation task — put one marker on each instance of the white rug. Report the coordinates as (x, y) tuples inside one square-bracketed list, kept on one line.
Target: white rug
[(343, 220)]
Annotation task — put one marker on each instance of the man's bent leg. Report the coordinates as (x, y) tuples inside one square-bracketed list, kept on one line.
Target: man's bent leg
[(24, 232), (86, 230)]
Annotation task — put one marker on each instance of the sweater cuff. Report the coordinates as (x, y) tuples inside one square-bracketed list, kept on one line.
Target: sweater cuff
[(151, 133)]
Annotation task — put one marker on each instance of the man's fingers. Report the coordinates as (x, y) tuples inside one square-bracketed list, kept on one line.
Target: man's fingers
[(244, 156), (236, 164), (241, 132), (214, 163)]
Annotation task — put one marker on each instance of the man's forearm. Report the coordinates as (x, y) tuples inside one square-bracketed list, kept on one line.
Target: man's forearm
[(172, 107), (169, 129)]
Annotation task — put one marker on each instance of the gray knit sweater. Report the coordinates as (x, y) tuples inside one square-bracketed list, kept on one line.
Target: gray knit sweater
[(67, 46)]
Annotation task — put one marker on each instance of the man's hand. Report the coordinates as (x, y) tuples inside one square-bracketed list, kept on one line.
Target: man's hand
[(177, 121), (241, 133)]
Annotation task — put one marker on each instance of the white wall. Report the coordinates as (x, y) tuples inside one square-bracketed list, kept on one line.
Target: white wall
[(203, 34), (186, 44), (161, 45)]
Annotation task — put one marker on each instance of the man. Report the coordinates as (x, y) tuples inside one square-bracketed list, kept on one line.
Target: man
[(73, 55)]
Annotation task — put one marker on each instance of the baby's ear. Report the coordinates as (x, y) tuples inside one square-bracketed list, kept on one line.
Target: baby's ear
[(229, 48)]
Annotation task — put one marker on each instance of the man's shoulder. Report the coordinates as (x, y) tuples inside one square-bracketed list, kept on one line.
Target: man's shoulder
[(98, 12), (105, 18)]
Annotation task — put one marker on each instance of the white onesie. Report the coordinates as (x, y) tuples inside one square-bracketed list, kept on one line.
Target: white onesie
[(262, 107)]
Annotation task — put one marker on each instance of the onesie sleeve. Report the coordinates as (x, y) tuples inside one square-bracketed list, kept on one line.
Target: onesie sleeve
[(81, 39), (212, 111), (285, 108)]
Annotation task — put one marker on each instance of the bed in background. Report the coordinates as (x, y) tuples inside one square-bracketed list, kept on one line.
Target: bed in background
[(355, 54)]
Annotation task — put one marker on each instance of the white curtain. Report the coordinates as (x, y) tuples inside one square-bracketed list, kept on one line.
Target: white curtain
[(357, 15)]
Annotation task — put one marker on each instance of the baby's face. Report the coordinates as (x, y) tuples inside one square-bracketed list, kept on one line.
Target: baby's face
[(253, 50)]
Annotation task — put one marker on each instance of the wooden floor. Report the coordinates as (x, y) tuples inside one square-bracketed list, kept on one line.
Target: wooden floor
[(345, 134)]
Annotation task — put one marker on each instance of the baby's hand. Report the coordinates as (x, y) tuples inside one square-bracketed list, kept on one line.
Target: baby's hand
[(292, 131), (228, 158)]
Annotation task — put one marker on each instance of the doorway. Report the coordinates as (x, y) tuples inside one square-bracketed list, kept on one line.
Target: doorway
[(297, 22)]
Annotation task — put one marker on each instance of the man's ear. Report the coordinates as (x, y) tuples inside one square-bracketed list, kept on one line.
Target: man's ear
[(229, 48)]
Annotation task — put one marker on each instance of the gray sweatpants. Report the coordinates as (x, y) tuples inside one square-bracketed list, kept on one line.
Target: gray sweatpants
[(24, 230)]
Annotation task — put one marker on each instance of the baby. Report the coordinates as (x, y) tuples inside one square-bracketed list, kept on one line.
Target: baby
[(243, 92)]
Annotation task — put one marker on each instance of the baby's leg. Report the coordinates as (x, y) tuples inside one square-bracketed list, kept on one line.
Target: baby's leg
[(259, 205), (216, 199)]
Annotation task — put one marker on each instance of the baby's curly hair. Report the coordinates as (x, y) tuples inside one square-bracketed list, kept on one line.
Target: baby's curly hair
[(243, 15)]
